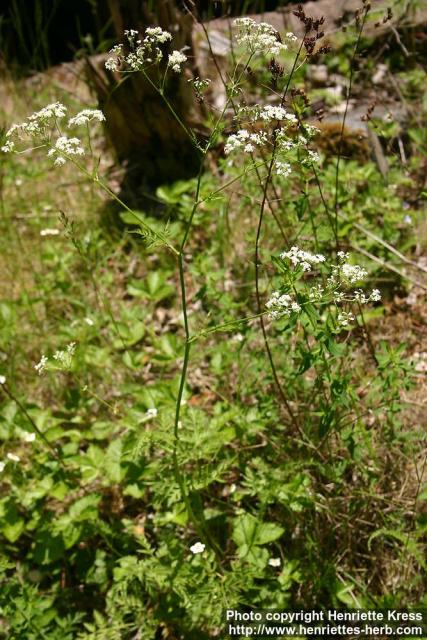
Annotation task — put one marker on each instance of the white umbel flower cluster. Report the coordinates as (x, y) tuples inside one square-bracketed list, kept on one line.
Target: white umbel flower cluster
[(36, 125), (332, 292), (345, 318), (44, 126), (362, 298), (143, 51), (41, 365), (259, 37), (267, 113), (175, 60), (283, 168), (63, 360), (312, 156), (65, 146), (353, 272), (280, 305), (86, 116), (271, 112), (278, 134), (304, 259), (243, 140)]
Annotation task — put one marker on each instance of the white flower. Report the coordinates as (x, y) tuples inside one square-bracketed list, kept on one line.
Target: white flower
[(112, 64), (68, 146), (258, 37), (8, 146), (281, 304), (175, 60), (200, 85), (312, 156), (2, 466), (157, 34), (316, 293), (49, 232), (283, 143), (359, 296), (64, 358), (275, 562), (151, 413), (353, 272), (345, 318), (38, 122), (54, 110), (13, 457), (271, 112), (89, 321), (375, 295), (2, 379), (143, 51), (130, 33), (198, 547), (85, 116), (339, 296), (283, 169), (298, 257), (29, 437), (291, 36), (41, 366), (244, 140)]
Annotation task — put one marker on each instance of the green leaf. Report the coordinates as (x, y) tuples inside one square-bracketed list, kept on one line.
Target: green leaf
[(249, 531)]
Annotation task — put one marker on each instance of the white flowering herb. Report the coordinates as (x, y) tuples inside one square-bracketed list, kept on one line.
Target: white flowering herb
[(245, 141), (13, 457), (60, 361), (298, 294), (65, 146), (36, 125), (175, 60), (274, 562), (283, 168), (198, 547), (2, 379), (281, 304), (86, 116), (258, 37), (143, 52), (299, 258), (278, 131), (41, 365)]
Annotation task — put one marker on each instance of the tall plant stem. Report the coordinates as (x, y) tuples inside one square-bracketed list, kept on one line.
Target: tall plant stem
[(257, 241), (347, 102)]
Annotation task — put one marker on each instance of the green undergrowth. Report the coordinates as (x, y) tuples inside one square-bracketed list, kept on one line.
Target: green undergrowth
[(309, 502)]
